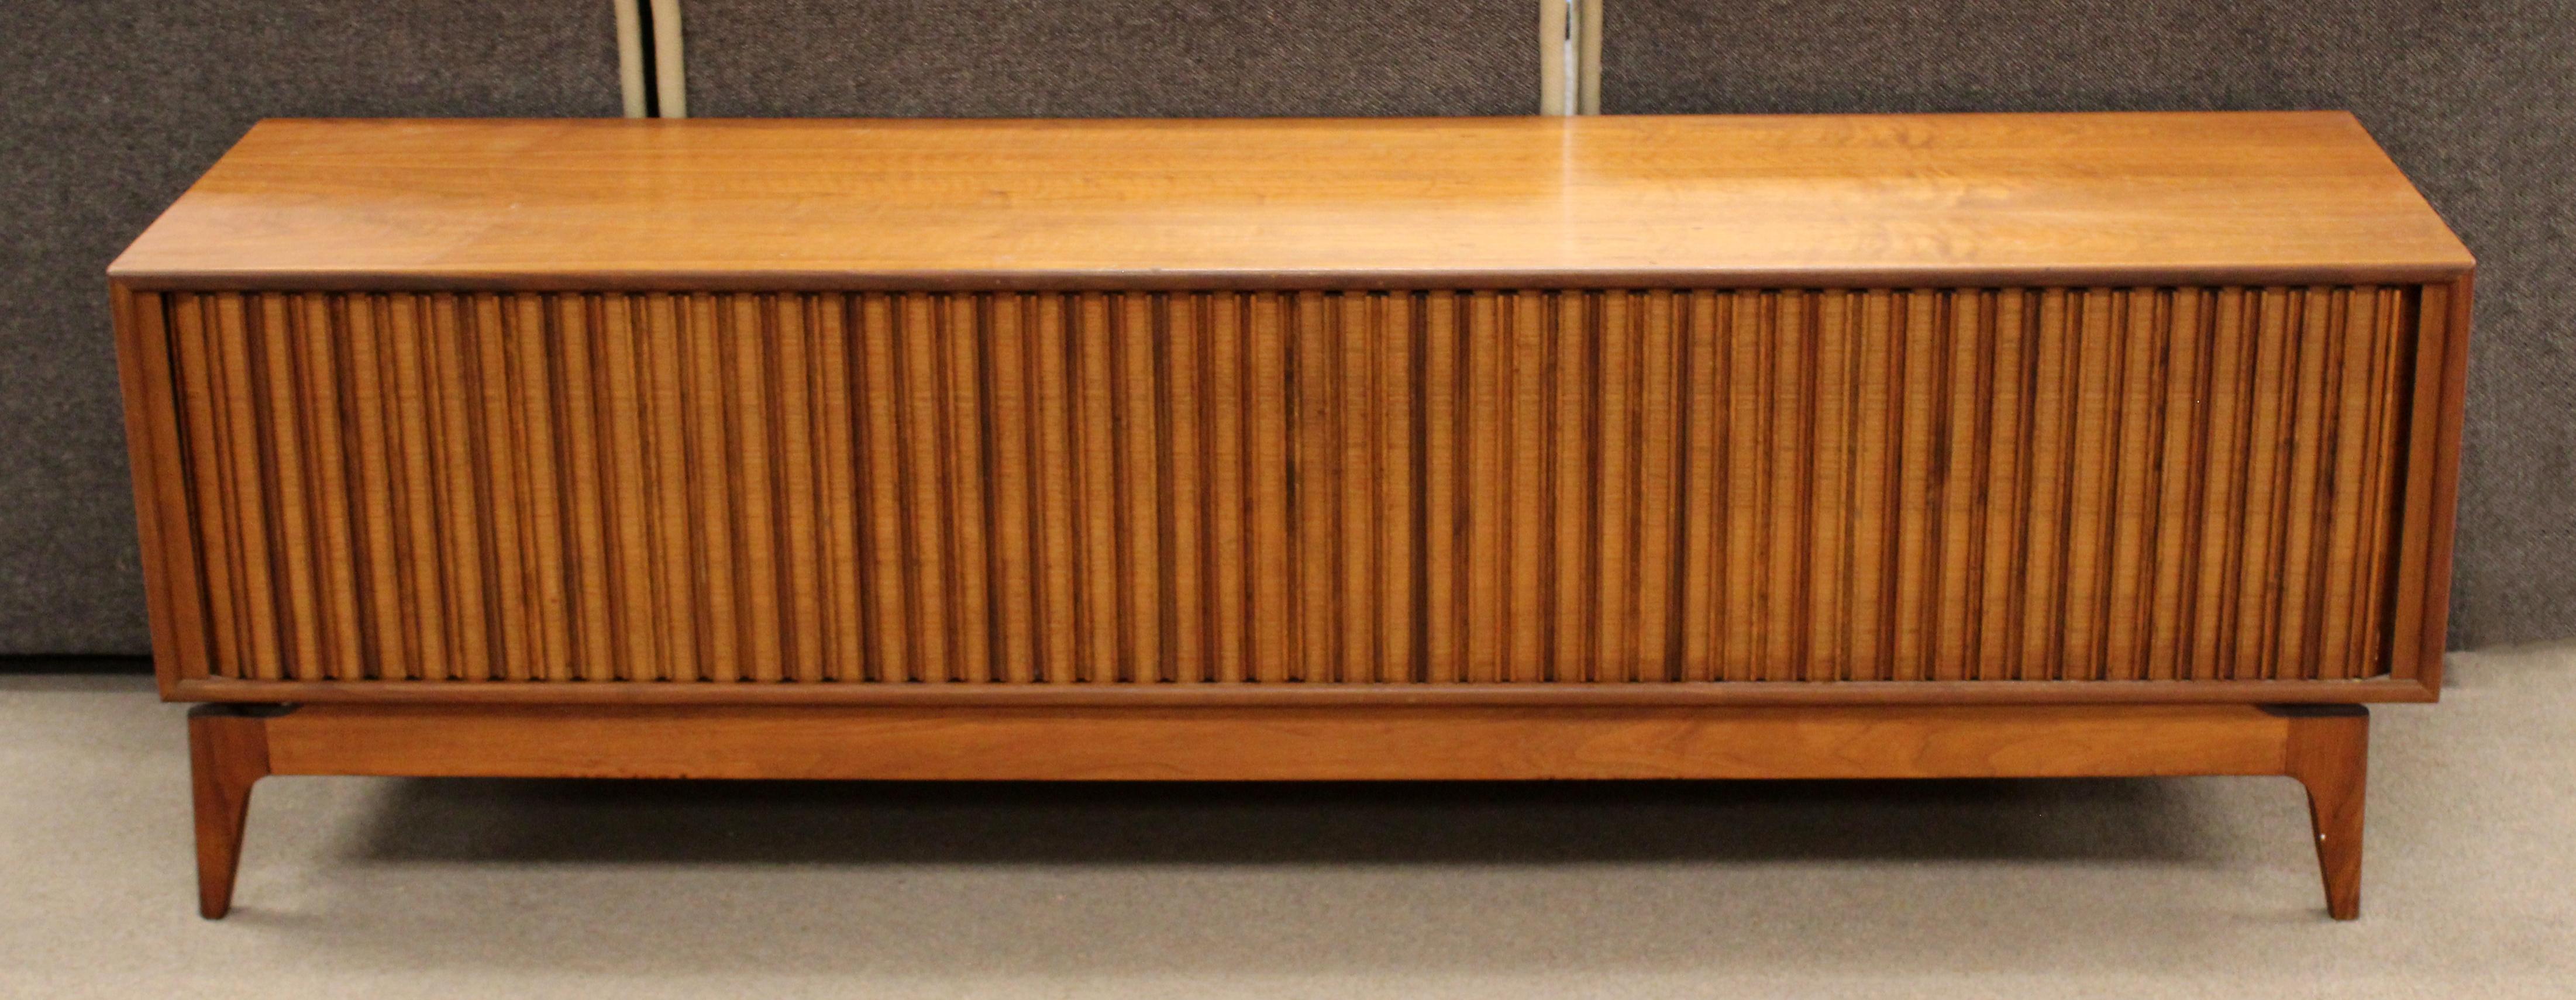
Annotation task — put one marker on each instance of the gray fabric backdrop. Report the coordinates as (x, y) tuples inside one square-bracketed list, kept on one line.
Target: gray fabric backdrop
[(2476, 99), (113, 107), (1159, 58), (116, 104)]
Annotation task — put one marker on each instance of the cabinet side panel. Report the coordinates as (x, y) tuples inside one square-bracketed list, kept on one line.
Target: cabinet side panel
[(2411, 601), (2441, 381), (161, 497)]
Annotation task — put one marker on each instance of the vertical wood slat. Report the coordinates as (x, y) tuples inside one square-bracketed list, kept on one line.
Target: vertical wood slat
[(1659, 450), (1483, 438), (1874, 383), (634, 613), (1185, 580), (1566, 400), (795, 388), (1228, 411), (1313, 487), (1364, 487), (1134, 473), (1525, 505), (504, 441), (1830, 430), (425, 600), (1274, 633), (2437, 347), (1961, 369), (2142, 351), (2051, 416), (237, 406), (1100, 636), (1445, 468), (749, 352), (672, 564), (1015, 537), (1919, 355), (193, 357), (147, 353), (1396, 349), (1614, 583), (1050, 374), (2006, 497), (288, 423), (703, 392)]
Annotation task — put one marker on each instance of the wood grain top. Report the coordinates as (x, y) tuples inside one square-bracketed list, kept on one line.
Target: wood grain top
[(1492, 202)]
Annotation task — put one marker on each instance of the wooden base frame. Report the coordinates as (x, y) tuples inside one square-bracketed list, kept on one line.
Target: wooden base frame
[(2325, 747)]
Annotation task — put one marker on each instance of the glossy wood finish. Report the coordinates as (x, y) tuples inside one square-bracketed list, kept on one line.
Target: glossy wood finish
[(1278, 744), (1700, 490), (1320, 695), (2329, 753), (1379, 743), (1533, 448), (1618, 201), (227, 754)]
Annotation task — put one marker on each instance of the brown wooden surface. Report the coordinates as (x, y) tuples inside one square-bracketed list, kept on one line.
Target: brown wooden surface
[(2251, 198), (227, 754), (160, 493), (2329, 753), (1706, 491), (1100, 450), (2163, 490), (1709, 693), (2324, 748), (2450, 412), (1381, 743)]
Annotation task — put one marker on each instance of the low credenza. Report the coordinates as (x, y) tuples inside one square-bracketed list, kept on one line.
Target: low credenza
[(1619, 447)]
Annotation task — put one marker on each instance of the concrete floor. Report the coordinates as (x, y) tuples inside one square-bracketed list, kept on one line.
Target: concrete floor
[(2172, 888)]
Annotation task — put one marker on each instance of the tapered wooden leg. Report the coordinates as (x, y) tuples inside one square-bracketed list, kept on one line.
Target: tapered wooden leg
[(2330, 754), (227, 754)]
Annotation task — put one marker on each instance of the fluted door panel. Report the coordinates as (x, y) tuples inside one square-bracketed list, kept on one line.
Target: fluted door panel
[(1411, 488)]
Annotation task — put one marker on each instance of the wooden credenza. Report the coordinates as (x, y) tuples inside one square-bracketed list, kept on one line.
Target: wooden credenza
[(1902, 446)]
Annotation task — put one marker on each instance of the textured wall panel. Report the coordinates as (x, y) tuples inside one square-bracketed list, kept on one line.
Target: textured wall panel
[(113, 107), (2476, 100), (1429, 488), (1108, 58)]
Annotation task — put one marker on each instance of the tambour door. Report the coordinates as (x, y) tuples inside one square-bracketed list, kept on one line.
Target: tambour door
[(2152, 492)]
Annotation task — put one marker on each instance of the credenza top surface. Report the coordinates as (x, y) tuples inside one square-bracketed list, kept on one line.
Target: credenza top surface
[(1477, 202)]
